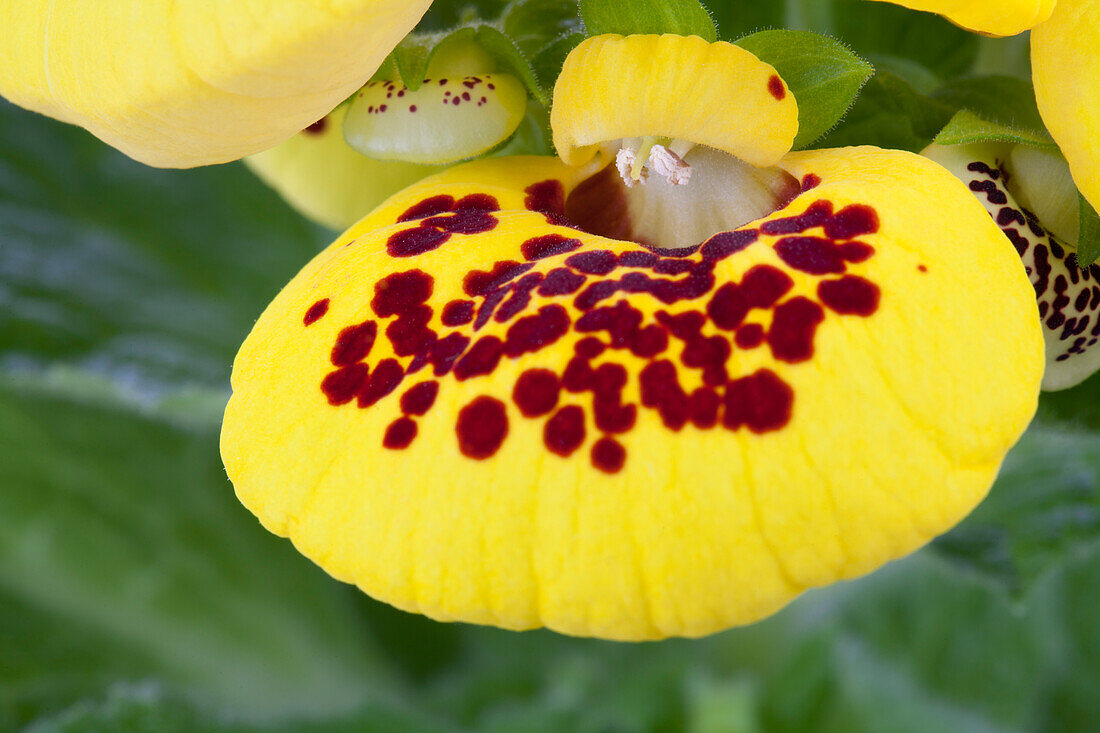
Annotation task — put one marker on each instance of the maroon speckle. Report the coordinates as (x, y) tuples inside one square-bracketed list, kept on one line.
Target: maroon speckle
[(417, 241), (535, 332), (536, 392), (316, 312), (547, 245), (317, 127), (463, 221), (477, 202), (412, 107), (727, 308), (815, 215), (561, 281), (703, 408), (852, 221), (564, 432), (383, 380), (761, 401), (855, 252), (457, 313), (810, 180), (850, 295), (401, 291), (922, 268), (791, 335), (595, 262), (354, 343), (589, 347), (419, 398), (480, 282), (481, 427), (481, 359), (725, 244), (660, 388), (428, 207), (399, 434), (764, 285), (456, 101), (608, 455), (444, 352), (547, 197), (776, 87), (342, 385), (749, 336), (812, 255), (520, 297)]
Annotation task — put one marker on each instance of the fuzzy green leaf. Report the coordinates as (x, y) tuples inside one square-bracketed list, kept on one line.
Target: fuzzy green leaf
[(824, 76), (1088, 241), (965, 127), (626, 17)]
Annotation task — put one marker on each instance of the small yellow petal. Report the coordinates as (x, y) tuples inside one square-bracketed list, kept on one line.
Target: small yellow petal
[(321, 176), (472, 410), (194, 83), (684, 88), (1065, 60), (991, 17)]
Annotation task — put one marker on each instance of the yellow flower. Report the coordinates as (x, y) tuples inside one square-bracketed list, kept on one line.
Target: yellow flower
[(1065, 36), (660, 391), (194, 83)]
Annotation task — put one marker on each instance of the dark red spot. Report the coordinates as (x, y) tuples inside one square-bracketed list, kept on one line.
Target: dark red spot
[(776, 87), (416, 241), (703, 408), (399, 434), (419, 398), (535, 332), (648, 341), (547, 197), (614, 417), (761, 401), (315, 312), (481, 359), (520, 297), (462, 221), (317, 127), (852, 221), (589, 347), (638, 258), (481, 427), (749, 336), (536, 392), (343, 384), (608, 455), (791, 335), (383, 380), (850, 295), (477, 202), (409, 334), (922, 268), (660, 388), (810, 180), (812, 255), (815, 215), (412, 107), (354, 343), (595, 262), (727, 308), (709, 354), (547, 245), (724, 244), (479, 282), (564, 432), (561, 281), (444, 352), (764, 285), (401, 291), (855, 252), (457, 313), (428, 207)]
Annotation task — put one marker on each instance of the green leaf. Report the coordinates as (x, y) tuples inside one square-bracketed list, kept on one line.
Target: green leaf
[(535, 24), (890, 113), (1088, 241), (1006, 100), (737, 19), (509, 55), (626, 17), (965, 127), (824, 76), (549, 61), (1044, 508)]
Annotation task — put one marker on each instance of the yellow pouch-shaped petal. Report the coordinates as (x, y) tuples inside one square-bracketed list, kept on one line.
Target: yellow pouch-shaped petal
[(474, 411), (991, 17), (321, 176), (716, 94), (1065, 60), (192, 83)]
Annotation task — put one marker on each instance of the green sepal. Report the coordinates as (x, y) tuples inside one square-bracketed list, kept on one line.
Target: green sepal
[(627, 17), (965, 127), (824, 76), (1088, 240), (535, 25)]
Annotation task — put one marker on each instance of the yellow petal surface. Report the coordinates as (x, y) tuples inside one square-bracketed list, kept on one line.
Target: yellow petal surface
[(474, 411), (1065, 61), (321, 176), (991, 17), (180, 84), (714, 94)]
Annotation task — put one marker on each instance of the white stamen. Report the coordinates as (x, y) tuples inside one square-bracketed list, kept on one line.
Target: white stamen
[(624, 162), (670, 165)]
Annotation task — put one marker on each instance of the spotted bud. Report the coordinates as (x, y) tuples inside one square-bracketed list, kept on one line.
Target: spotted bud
[(445, 120)]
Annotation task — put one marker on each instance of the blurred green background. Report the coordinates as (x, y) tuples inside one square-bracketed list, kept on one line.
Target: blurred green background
[(136, 594)]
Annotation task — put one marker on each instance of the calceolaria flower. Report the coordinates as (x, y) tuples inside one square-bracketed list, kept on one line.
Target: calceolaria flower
[(657, 389), (656, 385)]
